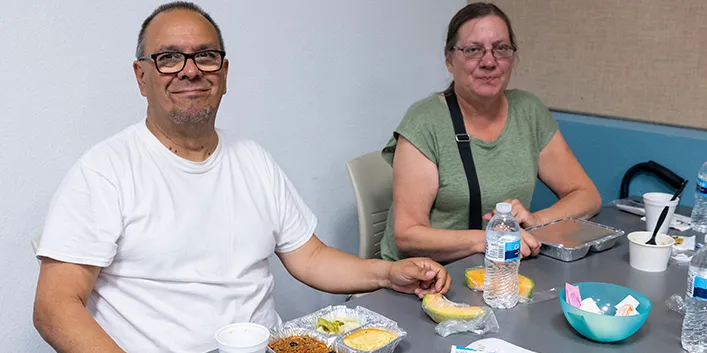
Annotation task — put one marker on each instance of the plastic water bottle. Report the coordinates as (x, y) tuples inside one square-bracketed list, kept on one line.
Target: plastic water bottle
[(699, 212), (502, 259), (694, 325)]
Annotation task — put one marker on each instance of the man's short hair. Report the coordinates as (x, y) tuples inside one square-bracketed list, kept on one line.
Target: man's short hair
[(176, 5)]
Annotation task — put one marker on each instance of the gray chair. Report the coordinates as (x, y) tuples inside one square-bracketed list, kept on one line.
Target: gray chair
[(35, 243), (372, 179)]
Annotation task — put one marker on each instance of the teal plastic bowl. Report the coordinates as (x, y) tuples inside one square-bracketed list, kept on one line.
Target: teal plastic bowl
[(607, 327)]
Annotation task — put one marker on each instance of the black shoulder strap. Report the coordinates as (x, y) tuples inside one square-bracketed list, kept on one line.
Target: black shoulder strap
[(463, 142)]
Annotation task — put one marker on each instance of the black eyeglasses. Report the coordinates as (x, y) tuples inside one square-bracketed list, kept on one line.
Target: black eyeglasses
[(172, 62), (477, 52)]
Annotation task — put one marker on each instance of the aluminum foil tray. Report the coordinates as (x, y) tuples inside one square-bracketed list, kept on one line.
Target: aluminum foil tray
[(307, 325), (283, 332), (570, 239)]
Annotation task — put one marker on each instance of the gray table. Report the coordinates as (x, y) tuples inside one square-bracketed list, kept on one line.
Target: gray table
[(541, 327)]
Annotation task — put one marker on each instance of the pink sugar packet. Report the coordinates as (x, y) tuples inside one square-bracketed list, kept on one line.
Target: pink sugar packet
[(572, 295)]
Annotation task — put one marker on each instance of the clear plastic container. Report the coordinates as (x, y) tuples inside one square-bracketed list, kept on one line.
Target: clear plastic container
[(699, 212), (694, 335), (502, 259)]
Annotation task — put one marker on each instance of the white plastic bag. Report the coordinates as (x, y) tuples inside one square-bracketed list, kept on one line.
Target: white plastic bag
[(676, 303), (479, 326), (454, 317)]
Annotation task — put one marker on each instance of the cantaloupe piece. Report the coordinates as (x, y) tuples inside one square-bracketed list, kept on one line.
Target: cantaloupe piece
[(441, 309), (475, 280)]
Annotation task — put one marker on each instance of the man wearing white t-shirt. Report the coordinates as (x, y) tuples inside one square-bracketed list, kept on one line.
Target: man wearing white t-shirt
[(161, 234)]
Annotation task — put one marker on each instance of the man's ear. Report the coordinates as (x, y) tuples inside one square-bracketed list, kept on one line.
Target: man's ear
[(225, 75), (140, 77)]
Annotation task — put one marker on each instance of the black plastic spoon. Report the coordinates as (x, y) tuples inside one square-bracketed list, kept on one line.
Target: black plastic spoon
[(664, 214)]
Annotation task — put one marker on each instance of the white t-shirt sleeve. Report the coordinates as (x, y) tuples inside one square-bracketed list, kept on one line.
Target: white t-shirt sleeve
[(296, 221), (84, 220)]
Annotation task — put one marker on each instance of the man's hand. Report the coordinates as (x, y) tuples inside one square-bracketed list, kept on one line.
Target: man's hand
[(524, 217), (322, 267), (420, 276)]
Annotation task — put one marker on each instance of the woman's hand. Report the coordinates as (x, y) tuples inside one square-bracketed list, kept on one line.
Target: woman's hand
[(529, 246), (525, 218)]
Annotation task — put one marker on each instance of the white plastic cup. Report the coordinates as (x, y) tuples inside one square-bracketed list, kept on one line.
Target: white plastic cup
[(242, 338), (654, 203), (649, 258)]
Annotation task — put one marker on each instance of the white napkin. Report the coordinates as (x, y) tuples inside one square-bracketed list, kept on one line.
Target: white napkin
[(495, 345)]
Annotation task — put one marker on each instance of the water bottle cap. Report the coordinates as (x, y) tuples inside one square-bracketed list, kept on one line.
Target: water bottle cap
[(504, 207)]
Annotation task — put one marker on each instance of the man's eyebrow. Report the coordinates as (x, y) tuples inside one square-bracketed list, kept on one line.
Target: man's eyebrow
[(200, 47), (206, 46), (167, 48)]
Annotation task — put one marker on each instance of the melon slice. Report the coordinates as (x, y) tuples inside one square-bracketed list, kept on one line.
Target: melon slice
[(475, 280), (441, 309)]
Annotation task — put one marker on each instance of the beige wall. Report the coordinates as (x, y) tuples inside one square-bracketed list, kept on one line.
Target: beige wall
[(635, 59)]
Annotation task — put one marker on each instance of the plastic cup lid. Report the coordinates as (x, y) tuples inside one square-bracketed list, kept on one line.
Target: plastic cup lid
[(242, 335)]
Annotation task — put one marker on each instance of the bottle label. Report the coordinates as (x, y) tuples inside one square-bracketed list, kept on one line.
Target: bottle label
[(507, 251), (697, 287), (702, 186)]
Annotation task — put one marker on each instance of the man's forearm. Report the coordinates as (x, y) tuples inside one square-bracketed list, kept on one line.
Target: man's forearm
[(335, 271), (70, 328)]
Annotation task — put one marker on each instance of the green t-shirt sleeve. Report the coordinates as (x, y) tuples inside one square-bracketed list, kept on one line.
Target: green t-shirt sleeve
[(546, 126), (418, 128)]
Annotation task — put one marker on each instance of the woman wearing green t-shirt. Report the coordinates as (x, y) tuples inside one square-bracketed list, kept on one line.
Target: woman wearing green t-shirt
[(514, 141)]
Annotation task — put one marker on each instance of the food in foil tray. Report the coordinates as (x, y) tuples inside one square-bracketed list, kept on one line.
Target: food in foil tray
[(337, 326), (299, 344), (369, 339), (341, 329)]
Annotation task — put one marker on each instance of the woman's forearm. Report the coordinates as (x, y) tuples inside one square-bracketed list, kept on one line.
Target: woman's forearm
[(442, 245), (580, 203)]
